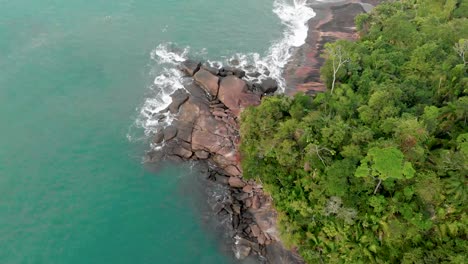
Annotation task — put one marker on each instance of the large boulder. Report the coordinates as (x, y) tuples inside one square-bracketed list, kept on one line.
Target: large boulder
[(212, 70), (158, 137), (234, 94), (178, 98), (269, 85), (170, 132), (207, 81), (204, 140), (190, 67), (227, 70)]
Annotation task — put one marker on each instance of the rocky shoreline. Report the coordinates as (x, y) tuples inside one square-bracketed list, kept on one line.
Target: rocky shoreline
[(205, 128), (334, 20)]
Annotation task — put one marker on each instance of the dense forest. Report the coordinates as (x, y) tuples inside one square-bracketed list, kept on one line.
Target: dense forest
[(374, 170)]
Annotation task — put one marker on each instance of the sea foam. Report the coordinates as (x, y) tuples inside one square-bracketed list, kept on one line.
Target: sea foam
[(293, 14)]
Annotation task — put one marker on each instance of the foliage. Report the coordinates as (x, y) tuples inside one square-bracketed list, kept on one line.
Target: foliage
[(375, 172)]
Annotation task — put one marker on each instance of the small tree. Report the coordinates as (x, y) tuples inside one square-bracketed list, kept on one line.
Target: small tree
[(384, 163), (338, 56), (461, 48)]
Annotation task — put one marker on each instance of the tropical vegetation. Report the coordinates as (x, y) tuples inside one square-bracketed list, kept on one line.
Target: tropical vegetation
[(374, 170)]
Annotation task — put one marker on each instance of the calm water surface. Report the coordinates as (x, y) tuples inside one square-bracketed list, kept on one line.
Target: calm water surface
[(72, 73)]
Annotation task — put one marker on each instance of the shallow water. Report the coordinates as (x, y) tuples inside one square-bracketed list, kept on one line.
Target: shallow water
[(74, 78)]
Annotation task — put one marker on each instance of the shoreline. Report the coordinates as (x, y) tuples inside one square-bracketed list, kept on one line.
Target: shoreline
[(206, 130), (333, 21)]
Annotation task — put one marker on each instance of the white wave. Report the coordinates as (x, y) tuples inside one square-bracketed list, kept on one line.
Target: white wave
[(294, 15), (168, 81), (167, 53)]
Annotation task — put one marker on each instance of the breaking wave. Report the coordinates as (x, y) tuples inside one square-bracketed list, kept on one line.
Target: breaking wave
[(293, 14)]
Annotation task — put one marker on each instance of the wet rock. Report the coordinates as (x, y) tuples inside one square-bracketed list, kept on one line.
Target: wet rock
[(190, 67), (153, 157), (253, 74), (182, 152), (241, 196), (269, 85), (235, 221), (170, 132), (175, 158), (222, 179), (229, 209), (210, 69), (178, 98), (207, 81), (158, 137), (241, 251), (236, 182), (234, 62), (236, 208), (217, 207)]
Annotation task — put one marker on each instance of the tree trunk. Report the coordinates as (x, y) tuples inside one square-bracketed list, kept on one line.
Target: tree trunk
[(378, 185)]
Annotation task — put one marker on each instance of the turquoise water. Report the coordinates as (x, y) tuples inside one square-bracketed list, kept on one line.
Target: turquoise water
[(72, 74)]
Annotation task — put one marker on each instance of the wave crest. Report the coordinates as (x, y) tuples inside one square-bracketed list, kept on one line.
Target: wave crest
[(294, 15)]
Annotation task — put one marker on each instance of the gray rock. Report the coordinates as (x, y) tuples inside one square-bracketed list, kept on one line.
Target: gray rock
[(269, 86), (182, 152), (210, 69), (241, 251), (222, 179), (178, 98), (235, 71), (170, 132), (158, 137), (253, 74), (190, 67)]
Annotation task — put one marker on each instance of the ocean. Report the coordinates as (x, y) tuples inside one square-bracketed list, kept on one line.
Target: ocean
[(79, 82)]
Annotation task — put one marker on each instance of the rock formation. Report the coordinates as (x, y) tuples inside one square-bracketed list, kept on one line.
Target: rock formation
[(334, 20), (206, 128)]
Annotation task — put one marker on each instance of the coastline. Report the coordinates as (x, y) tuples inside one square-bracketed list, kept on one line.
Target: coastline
[(333, 21), (206, 130)]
